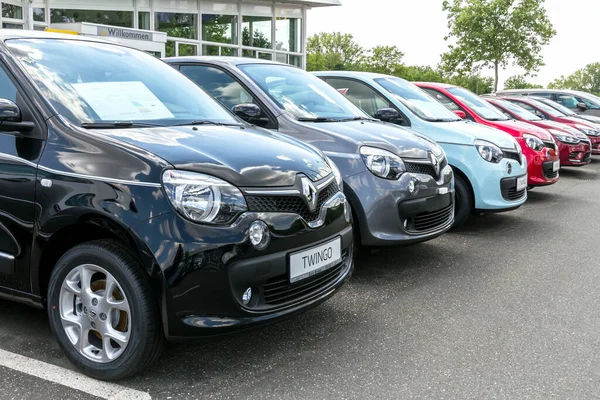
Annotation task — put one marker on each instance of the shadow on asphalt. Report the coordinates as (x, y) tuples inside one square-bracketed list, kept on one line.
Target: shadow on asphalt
[(581, 173)]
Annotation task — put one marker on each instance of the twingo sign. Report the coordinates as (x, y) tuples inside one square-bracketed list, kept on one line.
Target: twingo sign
[(124, 33)]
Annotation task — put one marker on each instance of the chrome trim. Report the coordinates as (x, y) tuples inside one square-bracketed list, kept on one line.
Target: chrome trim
[(7, 256), (417, 161), (338, 199), (274, 192), (341, 155), (74, 175), (325, 183)]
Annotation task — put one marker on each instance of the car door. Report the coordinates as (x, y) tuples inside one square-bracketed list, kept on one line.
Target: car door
[(19, 155), (364, 96), (223, 86)]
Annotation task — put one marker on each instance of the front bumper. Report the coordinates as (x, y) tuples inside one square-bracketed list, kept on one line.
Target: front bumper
[(537, 166), (388, 214), (595, 144), (574, 155), (206, 269)]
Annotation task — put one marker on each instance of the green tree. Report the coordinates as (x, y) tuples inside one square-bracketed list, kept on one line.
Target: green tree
[(383, 60), (333, 51), (474, 82), (494, 33), (415, 73), (519, 82), (586, 79)]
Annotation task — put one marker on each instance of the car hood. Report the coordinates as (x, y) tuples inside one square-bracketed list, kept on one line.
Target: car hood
[(523, 127), (558, 125), (243, 156), (589, 118), (347, 136), (464, 132)]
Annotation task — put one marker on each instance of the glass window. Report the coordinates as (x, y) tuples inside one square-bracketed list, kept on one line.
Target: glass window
[(265, 56), (12, 26), (100, 82), (416, 100), (360, 94), (567, 100), (144, 20), (188, 49), (219, 28), (541, 94), (300, 93), (116, 18), (7, 88), (39, 14), (289, 59), (218, 83), (442, 98), (484, 109), (559, 105), (288, 36), (537, 106), (514, 109), (248, 53), (12, 11), (177, 25), (208, 50), (590, 104), (256, 32)]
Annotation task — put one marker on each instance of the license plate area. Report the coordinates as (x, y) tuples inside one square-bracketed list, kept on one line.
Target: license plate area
[(521, 183), (306, 263), (555, 166)]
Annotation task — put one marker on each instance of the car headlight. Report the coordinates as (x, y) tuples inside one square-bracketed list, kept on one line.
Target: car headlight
[(203, 198), (382, 163), (336, 173), (563, 137), (588, 131), (533, 142), (489, 151)]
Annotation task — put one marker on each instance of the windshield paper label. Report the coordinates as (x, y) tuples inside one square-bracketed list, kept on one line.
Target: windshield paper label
[(122, 101)]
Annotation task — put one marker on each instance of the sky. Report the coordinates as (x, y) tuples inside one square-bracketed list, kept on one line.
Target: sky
[(418, 29)]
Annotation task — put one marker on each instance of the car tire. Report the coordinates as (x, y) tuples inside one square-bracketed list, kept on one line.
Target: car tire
[(464, 202), (123, 334)]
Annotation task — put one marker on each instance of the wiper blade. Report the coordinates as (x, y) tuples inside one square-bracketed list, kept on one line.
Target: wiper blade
[(356, 119), (205, 122), (116, 125), (317, 119), (442, 120)]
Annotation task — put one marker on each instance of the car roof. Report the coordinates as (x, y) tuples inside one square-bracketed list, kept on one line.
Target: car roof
[(435, 84), (234, 61)]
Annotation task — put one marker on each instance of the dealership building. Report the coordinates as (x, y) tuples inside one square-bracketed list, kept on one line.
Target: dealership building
[(273, 30)]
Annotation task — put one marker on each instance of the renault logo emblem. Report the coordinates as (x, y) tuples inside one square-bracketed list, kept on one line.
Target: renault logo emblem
[(435, 162), (310, 193)]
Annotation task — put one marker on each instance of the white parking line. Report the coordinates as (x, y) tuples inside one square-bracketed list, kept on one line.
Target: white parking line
[(68, 378)]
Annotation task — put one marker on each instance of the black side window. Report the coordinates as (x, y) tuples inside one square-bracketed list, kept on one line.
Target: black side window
[(360, 94), (529, 108), (589, 104), (218, 83), (7, 88), (543, 94)]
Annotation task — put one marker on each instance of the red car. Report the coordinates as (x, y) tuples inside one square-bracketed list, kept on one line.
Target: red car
[(552, 114), (571, 148), (537, 144)]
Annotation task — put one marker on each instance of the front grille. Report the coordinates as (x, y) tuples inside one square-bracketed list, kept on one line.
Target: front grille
[(278, 290), (428, 221), (548, 171), (587, 157), (574, 155), (512, 155), (512, 194), (425, 169), (292, 204), (597, 146)]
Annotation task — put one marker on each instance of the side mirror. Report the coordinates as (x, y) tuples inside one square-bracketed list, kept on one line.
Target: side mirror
[(387, 114), (247, 111), (460, 114), (9, 111), (10, 118), (582, 106)]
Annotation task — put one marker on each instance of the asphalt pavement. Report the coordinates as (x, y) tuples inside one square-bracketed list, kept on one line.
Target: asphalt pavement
[(507, 307)]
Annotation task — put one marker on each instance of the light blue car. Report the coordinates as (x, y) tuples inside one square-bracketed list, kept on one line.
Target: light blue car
[(489, 167)]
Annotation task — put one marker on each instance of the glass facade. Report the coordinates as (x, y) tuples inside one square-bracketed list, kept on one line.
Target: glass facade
[(245, 28)]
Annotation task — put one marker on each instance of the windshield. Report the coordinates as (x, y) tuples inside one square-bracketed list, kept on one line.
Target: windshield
[(301, 94), (415, 99), (90, 82), (481, 107), (556, 105), (546, 108), (516, 110)]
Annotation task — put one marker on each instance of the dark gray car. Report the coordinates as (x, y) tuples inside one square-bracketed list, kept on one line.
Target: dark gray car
[(579, 102), (398, 183)]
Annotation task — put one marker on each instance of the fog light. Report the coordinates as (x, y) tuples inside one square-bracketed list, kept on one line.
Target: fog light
[(247, 296), (259, 234)]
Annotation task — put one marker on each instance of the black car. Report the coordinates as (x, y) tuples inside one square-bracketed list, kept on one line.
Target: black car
[(135, 207)]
